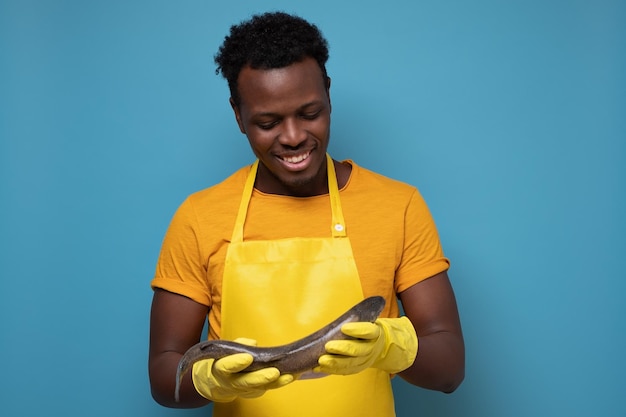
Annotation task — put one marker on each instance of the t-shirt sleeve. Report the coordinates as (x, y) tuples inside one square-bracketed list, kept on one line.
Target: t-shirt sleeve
[(422, 255), (180, 268)]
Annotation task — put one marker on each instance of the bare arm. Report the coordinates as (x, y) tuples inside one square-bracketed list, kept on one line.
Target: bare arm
[(176, 324), (431, 307)]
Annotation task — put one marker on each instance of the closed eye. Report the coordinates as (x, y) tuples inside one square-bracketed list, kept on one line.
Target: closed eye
[(311, 115), (267, 126)]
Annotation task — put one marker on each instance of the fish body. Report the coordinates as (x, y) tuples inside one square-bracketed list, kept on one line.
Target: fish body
[(293, 358)]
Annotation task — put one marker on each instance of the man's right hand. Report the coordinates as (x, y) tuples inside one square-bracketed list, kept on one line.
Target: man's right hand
[(222, 380)]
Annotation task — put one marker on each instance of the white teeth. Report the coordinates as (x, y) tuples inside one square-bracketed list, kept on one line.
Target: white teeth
[(296, 159)]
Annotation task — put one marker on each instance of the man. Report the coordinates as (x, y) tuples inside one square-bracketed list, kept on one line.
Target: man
[(284, 246)]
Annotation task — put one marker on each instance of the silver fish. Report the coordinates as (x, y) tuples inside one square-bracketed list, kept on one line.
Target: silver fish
[(293, 358)]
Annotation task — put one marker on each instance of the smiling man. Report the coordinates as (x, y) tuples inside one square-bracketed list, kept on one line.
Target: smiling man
[(285, 113), (285, 245)]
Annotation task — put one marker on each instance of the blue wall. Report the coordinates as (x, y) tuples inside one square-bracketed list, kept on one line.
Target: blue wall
[(509, 116)]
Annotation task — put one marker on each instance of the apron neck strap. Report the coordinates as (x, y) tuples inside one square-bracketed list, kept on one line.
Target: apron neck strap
[(338, 227)]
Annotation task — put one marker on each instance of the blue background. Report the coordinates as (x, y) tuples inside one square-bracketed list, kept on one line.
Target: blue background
[(509, 116)]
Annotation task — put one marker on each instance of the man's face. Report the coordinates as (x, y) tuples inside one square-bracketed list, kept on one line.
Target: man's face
[(285, 113)]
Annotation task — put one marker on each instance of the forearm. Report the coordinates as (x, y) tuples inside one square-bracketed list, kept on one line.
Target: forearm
[(168, 341), (163, 382), (440, 362)]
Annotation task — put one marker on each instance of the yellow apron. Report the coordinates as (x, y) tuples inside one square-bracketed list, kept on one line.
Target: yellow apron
[(277, 291)]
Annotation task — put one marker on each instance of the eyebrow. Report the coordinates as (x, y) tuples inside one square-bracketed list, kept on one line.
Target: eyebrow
[(272, 114)]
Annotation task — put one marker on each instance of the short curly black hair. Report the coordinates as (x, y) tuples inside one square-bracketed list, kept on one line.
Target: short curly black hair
[(267, 41)]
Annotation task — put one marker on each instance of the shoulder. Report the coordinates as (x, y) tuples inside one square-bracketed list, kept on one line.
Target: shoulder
[(366, 182), (222, 191), (216, 202)]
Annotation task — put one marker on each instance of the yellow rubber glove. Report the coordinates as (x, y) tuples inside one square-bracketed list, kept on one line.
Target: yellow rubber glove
[(221, 380), (387, 344)]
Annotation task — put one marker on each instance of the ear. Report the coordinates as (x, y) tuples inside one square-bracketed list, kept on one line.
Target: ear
[(237, 115), (328, 92)]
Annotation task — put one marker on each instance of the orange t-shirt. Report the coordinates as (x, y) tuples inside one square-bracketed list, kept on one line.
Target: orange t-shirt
[(393, 236)]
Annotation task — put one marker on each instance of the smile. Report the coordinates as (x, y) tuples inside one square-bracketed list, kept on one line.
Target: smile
[(296, 159)]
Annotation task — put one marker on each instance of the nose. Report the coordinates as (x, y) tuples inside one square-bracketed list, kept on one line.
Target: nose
[(292, 134)]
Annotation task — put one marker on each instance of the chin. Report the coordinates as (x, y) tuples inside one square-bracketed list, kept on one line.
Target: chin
[(310, 181), (304, 185)]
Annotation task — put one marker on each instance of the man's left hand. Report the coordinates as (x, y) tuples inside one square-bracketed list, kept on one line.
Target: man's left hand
[(389, 344)]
